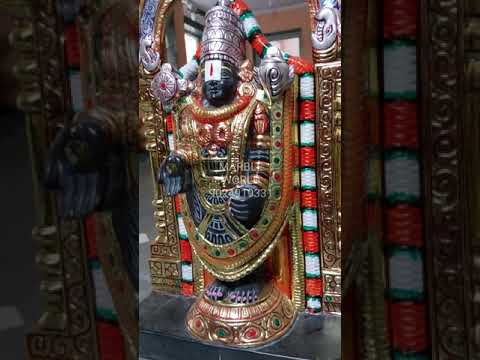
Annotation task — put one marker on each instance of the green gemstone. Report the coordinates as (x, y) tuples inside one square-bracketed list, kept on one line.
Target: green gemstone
[(276, 323), (217, 252), (221, 333), (242, 244)]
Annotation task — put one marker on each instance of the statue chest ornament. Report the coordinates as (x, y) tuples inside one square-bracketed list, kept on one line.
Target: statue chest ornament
[(217, 143)]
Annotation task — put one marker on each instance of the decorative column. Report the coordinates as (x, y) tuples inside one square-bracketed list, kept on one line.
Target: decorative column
[(326, 41)]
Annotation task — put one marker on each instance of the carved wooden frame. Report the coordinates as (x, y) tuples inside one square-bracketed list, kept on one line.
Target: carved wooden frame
[(165, 264), (328, 125), (329, 109), (66, 328), (449, 75)]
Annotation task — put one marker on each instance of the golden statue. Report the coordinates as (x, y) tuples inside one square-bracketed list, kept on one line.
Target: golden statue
[(234, 151)]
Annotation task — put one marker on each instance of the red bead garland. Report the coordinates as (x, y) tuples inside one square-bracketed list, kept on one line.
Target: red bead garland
[(239, 7), (314, 287), (309, 199), (178, 208), (404, 226), (185, 251), (72, 47), (198, 53), (310, 241), (110, 341), (259, 43), (400, 19), (307, 157), (91, 237), (410, 332), (401, 128), (307, 110), (301, 66), (169, 122), (187, 289)]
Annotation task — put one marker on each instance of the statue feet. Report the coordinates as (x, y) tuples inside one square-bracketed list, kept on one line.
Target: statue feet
[(217, 290), (243, 291), (246, 293)]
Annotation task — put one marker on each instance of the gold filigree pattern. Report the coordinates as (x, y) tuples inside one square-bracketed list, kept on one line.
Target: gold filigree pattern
[(328, 78), (165, 250), (248, 251), (67, 325)]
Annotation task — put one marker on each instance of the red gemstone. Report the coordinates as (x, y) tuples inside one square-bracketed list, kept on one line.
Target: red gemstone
[(198, 323), (278, 143), (163, 86), (251, 334), (277, 177), (254, 233), (231, 252)]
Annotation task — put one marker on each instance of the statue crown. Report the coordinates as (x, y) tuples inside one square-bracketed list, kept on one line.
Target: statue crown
[(223, 37)]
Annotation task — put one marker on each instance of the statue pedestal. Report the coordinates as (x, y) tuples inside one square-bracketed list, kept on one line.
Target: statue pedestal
[(163, 336)]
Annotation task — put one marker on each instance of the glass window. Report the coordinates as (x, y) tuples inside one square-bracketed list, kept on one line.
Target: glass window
[(191, 44)]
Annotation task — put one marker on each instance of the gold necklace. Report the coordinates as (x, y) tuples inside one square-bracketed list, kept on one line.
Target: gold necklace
[(214, 116)]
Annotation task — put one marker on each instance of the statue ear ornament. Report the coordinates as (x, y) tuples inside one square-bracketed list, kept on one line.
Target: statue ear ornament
[(168, 85), (274, 73)]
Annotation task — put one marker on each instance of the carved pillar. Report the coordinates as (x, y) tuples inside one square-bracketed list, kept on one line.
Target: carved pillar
[(165, 265), (328, 84), (472, 156), (446, 137), (66, 329)]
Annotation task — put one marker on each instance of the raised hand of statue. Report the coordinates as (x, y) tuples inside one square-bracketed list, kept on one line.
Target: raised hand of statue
[(168, 85), (174, 175), (246, 204), (84, 168)]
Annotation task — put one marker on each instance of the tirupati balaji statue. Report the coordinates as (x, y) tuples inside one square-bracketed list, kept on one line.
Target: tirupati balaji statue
[(235, 146)]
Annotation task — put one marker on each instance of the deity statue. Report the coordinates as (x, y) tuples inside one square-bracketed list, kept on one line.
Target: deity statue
[(232, 166)]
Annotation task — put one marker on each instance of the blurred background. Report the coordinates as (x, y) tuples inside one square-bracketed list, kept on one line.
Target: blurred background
[(20, 300)]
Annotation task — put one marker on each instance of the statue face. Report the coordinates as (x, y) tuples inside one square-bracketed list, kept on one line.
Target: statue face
[(221, 90)]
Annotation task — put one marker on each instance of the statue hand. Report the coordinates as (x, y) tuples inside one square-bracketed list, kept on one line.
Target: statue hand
[(148, 57), (83, 167), (174, 175), (246, 204)]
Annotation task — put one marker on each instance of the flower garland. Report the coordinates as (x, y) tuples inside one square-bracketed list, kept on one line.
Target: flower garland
[(307, 155), (404, 254)]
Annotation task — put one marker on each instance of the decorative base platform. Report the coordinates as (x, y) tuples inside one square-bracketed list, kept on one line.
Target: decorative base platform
[(163, 336), (242, 325)]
